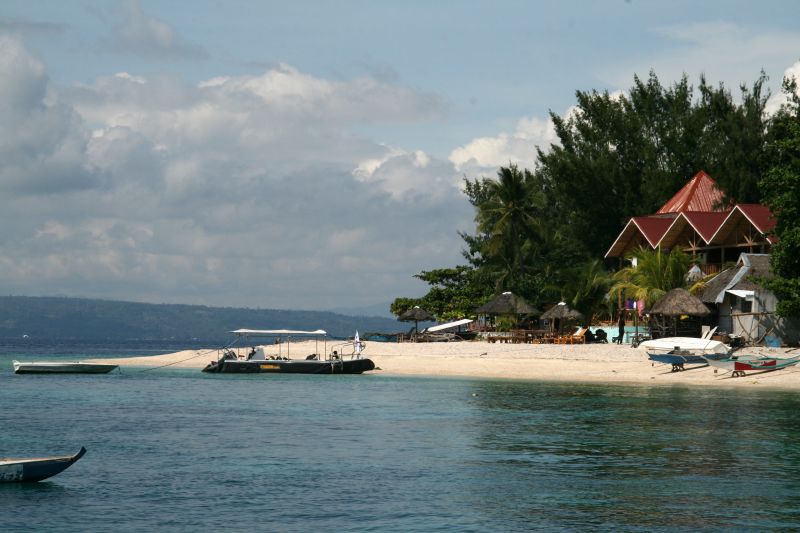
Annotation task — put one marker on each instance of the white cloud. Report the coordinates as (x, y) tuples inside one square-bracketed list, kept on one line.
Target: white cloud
[(518, 147), (247, 190), (719, 49), (42, 143), (140, 34), (779, 97)]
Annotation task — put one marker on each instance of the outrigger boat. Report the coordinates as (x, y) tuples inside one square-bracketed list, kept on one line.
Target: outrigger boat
[(59, 367), (35, 469), (680, 351), (739, 365), (258, 361)]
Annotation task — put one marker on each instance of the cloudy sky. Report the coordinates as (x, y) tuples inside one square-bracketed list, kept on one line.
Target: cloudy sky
[(305, 155)]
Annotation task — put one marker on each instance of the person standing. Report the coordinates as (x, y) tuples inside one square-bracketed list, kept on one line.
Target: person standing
[(621, 326)]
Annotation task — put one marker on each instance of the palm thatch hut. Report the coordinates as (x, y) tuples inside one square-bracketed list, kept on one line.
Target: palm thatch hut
[(416, 314), (560, 313), (678, 313), (507, 304)]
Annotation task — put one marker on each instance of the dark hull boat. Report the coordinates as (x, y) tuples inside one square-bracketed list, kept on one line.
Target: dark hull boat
[(292, 366), (35, 469), (258, 361)]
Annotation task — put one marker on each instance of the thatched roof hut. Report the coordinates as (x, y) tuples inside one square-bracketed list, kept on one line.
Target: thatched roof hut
[(678, 313), (679, 302), (562, 311), (507, 304), (416, 315)]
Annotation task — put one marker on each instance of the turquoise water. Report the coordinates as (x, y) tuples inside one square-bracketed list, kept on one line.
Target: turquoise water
[(178, 450)]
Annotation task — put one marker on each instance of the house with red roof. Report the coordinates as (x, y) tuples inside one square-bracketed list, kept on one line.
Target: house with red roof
[(697, 220)]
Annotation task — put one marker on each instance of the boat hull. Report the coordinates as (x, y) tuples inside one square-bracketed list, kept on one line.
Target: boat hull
[(62, 368), (672, 359), (291, 366), (30, 470), (739, 365)]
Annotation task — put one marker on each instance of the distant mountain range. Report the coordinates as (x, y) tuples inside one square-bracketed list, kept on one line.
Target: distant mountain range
[(79, 318)]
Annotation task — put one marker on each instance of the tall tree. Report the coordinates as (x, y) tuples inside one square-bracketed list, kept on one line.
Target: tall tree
[(625, 155), (781, 188), (509, 223)]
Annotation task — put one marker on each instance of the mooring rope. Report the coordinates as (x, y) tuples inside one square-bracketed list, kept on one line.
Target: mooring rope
[(192, 357)]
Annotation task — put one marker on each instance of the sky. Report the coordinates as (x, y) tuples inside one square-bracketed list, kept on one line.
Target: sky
[(308, 154)]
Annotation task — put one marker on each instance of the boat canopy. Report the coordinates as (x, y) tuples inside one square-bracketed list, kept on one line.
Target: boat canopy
[(449, 325), (278, 332)]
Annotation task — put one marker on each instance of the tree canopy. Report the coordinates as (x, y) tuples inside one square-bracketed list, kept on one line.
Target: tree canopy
[(781, 187), (537, 231)]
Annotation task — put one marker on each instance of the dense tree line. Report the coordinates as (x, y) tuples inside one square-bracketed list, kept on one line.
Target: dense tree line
[(541, 232)]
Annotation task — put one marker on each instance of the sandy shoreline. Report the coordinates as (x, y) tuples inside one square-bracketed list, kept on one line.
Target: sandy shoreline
[(593, 363)]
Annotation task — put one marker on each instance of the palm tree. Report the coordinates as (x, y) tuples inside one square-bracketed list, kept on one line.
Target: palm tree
[(593, 283), (654, 273), (509, 218)]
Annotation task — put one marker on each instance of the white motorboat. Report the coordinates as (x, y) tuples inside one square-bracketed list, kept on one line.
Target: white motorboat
[(61, 367)]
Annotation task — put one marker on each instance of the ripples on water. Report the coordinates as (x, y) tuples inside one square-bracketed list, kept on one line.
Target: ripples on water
[(180, 450)]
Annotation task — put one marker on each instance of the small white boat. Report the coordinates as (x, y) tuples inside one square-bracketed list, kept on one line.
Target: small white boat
[(691, 344), (59, 367)]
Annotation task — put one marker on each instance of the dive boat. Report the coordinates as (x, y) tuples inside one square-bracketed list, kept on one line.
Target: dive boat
[(35, 469), (259, 361), (61, 367), (739, 364)]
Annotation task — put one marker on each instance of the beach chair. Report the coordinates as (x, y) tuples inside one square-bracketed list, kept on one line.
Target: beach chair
[(576, 338)]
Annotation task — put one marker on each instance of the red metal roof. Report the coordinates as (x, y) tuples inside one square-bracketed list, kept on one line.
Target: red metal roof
[(706, 223), (653, 228), (759, 215), (700, 194)]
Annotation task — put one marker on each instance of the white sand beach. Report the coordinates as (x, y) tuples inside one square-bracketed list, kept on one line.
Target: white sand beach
[(595, 363)]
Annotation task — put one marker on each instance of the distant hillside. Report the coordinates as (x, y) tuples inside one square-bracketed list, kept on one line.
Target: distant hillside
[(78, 318)]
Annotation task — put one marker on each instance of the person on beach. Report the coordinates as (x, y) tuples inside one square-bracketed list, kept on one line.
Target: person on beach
[(621, 326)]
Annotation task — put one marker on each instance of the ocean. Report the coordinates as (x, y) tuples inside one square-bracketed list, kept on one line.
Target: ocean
[(179, 450)]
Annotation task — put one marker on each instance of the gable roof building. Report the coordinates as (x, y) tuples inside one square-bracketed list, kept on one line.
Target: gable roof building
[(697, 220)]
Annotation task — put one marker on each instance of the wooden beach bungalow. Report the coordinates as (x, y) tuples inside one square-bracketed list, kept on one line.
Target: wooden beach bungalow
[(696, 220)]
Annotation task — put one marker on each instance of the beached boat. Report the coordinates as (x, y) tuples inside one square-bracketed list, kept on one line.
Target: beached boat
[(738, 365), (61, 367), (257, 360), (35, 469), (680, 351)]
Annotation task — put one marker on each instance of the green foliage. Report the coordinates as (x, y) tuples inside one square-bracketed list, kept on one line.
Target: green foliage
[(781, 188), (539, 233), (626, 155), (591, 293), (655, 273), (453, 293)]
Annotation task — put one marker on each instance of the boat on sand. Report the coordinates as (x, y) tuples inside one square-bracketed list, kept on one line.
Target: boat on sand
[(35, 469), (738, 365), (680, 351), (259, 361), (61, 367)]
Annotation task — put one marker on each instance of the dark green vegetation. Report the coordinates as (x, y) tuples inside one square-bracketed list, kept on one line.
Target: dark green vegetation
[(541, 233), (75, 318), (781, 187)]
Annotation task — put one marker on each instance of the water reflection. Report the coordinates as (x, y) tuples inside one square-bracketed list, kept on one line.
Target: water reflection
[(639, 457)]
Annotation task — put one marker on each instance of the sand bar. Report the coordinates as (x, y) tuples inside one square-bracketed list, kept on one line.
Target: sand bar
[(591, 363)]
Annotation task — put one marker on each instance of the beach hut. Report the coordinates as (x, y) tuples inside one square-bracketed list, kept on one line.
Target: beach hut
[(416, 315), (678, 313), (560, 313), (507, 304)]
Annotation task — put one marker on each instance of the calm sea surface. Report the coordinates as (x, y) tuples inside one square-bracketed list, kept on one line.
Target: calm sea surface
[(178, 450)]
